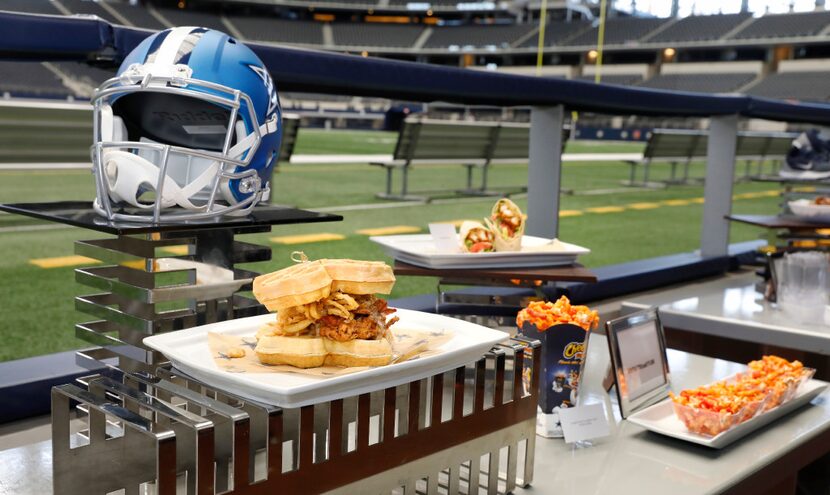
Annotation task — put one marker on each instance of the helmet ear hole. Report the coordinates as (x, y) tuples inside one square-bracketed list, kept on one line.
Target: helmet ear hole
[(146, 194)]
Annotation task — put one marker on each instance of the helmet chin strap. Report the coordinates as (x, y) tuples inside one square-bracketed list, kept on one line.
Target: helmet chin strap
[(127, 173)]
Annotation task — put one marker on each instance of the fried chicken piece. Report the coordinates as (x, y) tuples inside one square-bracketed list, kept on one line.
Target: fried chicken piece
[(343, 330), (367, 327), (371, 305)]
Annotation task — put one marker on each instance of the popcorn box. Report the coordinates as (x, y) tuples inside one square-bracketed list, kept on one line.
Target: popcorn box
[(563, 350)]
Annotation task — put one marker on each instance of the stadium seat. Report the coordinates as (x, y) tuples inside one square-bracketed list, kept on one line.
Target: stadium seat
[(279, 30), (476, 35), (699, 28), (30, 79), (784, 25), (444, 3), (137, 16), (804, 86), (370, 34), (87, 77), (89, 8), (619, 31), (703, 83), (556, 32), (179, 17), (30, 6), (621, 79)]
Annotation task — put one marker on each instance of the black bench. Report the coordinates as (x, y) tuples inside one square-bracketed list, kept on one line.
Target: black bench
[(475, 145), (678, 147)]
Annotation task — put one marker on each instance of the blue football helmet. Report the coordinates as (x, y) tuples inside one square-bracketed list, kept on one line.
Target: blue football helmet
[(189, 128)]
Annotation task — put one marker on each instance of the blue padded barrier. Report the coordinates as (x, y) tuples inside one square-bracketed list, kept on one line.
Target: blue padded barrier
[(42, 37), (26, 383)]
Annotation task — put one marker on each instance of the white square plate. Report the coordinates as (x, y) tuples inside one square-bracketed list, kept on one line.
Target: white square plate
[(660, 418), (420, 250), (188, 351)]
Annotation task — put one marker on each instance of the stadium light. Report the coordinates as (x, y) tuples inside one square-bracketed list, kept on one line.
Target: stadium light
[(364, 53), (669, 53), (592, 55)]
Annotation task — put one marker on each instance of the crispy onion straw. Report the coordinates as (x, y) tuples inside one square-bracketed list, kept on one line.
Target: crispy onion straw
[(346, 300), (294, 328), (335, 308), (294, 320)]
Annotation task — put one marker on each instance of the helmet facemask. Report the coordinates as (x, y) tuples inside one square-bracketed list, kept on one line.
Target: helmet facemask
[(163, 139)]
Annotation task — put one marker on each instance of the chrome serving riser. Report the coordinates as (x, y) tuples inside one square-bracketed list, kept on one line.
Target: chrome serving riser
[(469, 430), (138, 298)]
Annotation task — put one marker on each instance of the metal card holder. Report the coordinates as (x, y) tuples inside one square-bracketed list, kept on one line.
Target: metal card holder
[(468, 430), (634, 396)]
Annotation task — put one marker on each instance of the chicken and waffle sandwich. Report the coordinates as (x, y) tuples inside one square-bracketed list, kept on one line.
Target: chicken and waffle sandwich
[(327, 314)]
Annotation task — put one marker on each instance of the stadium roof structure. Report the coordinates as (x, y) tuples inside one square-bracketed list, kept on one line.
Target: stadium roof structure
[(32, 37)]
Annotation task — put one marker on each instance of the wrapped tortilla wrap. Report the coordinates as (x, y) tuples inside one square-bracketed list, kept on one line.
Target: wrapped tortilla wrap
[(507, 223), (475, 237)]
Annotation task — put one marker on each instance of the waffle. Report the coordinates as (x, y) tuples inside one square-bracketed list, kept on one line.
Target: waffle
[(296, 285), (310, 352)]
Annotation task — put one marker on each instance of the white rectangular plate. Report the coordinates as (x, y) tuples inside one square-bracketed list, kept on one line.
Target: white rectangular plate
[(660, 418), (420, 250), (808, 211), (188, 351)]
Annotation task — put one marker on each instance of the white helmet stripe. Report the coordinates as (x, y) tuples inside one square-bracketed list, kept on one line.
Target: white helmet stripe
[(166, 54)]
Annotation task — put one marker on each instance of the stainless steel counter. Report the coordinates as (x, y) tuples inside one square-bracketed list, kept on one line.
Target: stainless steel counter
[(636, 461), (730, 307), (631, 460)]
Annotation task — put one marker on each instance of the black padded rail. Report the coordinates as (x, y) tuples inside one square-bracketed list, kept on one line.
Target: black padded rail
[(33, 37)]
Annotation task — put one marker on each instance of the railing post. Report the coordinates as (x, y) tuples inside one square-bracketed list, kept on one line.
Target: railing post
[(544, 171), (717, 192)]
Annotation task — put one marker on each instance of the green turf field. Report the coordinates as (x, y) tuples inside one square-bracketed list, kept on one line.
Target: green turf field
[(38, 313)]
